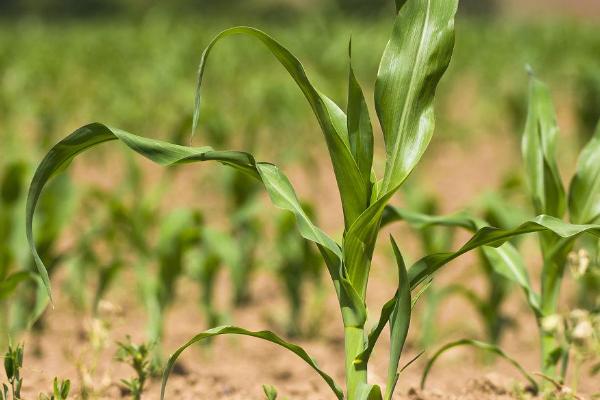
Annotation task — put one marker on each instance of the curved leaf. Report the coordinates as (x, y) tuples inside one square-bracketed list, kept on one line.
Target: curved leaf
[(480, 345), (265, 335), (276, 183), (412, 64), (539, 152), (354, 190), (489, 236), (505, 259), (584, 191)]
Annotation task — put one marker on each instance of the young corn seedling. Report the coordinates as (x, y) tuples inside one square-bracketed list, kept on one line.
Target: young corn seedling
[(299, 264), (413, 62), (556, 237)]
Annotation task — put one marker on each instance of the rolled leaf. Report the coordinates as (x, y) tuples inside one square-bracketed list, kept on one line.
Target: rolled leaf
[(360, 131), (412, 64), (539, 152), (584, 191), (264, 335)]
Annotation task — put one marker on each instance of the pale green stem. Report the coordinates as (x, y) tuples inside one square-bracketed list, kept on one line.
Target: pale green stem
[(354, 344)]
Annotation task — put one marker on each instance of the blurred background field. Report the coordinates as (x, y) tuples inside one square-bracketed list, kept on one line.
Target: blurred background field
[(132, 64)]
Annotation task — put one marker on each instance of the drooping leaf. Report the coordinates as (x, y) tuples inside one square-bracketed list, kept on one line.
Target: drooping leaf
[(539, 152), (482, 346), (506, 261), (584, 191), (265, 335), (399, 322), (354, 190), (164, 153), (412, 64)]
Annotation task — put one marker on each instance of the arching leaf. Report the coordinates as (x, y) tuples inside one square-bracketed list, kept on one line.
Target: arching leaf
[(264, 335), (275, 182), (482, 346), (354, 190)]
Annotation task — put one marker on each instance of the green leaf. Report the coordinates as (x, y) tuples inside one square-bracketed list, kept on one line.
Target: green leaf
[(490, 236), (482, 346), (360, 132), (270, 392), (584, 191), (265, 335), (422, 221), (399, 4), (539, 152), (506, 261), (275, 182), (399, 322), (354, 190), (412, 64), (368, 392)]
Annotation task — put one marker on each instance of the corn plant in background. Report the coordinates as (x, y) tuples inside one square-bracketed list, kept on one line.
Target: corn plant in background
[(299, 264), (17, 269), (241, 191), (556, 242), (433, 239), (415, 58)]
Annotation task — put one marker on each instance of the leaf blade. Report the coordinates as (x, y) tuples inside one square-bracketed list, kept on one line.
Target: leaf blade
[(265, 335)]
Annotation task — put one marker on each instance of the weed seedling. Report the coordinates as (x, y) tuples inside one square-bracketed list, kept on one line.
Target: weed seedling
[(138, 357)]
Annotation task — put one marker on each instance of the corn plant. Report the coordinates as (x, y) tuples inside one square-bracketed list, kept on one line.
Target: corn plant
[(556, 240), (413, 62), (216, 250)]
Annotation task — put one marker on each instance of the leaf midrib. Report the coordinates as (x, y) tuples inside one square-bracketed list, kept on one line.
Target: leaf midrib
[(407, 103)]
